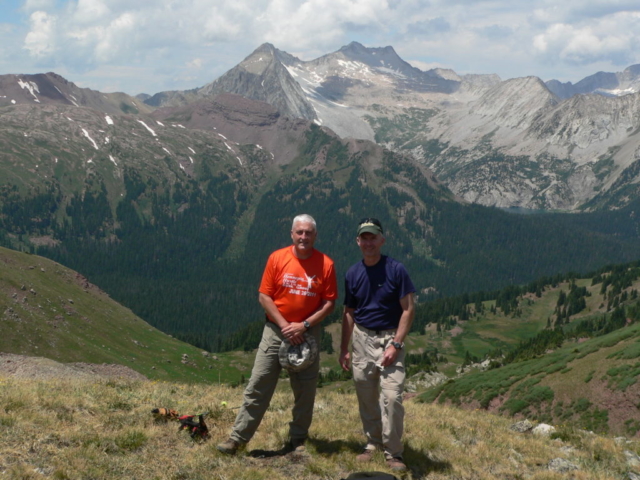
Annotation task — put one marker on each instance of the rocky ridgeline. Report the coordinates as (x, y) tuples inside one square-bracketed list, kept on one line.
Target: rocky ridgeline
[(513, 143)]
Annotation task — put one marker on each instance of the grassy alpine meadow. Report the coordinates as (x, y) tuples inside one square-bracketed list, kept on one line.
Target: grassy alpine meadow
[(104, 429)]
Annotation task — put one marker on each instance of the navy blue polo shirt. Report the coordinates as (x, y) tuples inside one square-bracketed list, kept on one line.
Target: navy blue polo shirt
[(375, 292)]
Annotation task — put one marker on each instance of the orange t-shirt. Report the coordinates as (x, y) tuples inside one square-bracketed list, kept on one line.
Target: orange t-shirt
[(298, 286)]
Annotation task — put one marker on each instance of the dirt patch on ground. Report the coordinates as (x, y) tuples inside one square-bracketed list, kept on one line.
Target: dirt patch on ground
[(455, 331), (21, 366)]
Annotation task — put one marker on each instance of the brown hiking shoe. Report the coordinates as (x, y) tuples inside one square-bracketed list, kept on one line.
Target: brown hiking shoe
[(396, 464), (230, 447), (366, 456)]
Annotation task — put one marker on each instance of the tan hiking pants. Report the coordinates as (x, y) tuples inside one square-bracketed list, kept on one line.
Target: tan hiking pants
[(263, 382), (379, 390)]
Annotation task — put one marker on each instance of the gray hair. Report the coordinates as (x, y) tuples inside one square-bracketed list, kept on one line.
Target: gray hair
[(303, 218)]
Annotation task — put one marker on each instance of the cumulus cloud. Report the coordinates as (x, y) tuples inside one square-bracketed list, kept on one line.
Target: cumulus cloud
[(429, 27), (195, 63), (89, 11), (40, 41), (572, 11), (31, 6), (614, 38), (207, 37), (317, 23)]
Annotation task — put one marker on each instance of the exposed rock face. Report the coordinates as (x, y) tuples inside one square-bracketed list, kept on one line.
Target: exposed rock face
[(243, 121), (515, 103), (262, 76), (51, 88)]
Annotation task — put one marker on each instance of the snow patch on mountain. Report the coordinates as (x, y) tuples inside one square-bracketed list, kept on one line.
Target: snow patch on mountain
[(86, 134), (147, 127)]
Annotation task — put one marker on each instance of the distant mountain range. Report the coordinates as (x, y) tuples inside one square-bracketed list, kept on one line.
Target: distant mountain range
[(515, 143), (603, 83)]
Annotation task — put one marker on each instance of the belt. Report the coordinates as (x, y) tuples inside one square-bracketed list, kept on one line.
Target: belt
[(375, 332)]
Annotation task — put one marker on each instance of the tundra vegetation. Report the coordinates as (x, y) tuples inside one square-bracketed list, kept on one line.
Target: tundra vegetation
[(104, 428)]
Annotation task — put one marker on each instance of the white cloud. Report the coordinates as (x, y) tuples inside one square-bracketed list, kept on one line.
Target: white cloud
[(31, 6), (318, 23), (195, 63), (182, 44), (40, 41), (425, 66), (114, 39), (614, 38), (89, 11)]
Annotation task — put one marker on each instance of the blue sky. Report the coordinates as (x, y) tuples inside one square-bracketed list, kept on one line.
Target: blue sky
[(150, 45)]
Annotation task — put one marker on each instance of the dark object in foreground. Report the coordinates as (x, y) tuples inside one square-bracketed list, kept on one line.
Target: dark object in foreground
[(197, 429)]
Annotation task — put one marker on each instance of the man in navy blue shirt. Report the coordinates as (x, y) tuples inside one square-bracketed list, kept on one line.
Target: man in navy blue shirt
[(378, 312)]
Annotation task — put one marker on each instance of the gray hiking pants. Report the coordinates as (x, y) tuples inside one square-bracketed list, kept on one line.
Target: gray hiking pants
[(379, 390), (263, 382)]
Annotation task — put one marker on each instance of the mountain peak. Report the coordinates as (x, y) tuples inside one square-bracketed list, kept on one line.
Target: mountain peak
[(371, 56), (265, 48), (270, 52), (358, 48)]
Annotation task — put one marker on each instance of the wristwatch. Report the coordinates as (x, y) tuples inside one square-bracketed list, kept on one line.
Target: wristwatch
[(398, 345), (306, 324)]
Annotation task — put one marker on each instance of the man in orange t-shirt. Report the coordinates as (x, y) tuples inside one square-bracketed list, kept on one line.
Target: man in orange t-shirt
[(297, 291)]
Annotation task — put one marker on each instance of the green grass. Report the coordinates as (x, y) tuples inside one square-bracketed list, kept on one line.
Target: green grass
[(95, 441), (51, 312), (559, 386)]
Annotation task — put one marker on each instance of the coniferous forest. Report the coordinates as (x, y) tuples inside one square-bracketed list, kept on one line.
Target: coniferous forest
[(186, 255)]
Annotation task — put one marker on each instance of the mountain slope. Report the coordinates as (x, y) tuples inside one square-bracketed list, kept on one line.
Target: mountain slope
[(262, 76), (50, 88), (591, 384), (564, 351), (51, 311)]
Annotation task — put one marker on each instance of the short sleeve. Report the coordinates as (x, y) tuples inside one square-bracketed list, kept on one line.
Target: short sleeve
[(331, 284), (349, 299), (267, 285), (404, 281)]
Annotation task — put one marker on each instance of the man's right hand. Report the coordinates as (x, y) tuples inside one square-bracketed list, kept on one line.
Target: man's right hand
[(345, 360)]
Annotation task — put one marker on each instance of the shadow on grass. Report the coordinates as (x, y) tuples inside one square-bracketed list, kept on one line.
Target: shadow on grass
[(270, 453), (421, 464), (326, 447), (418, 462)]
